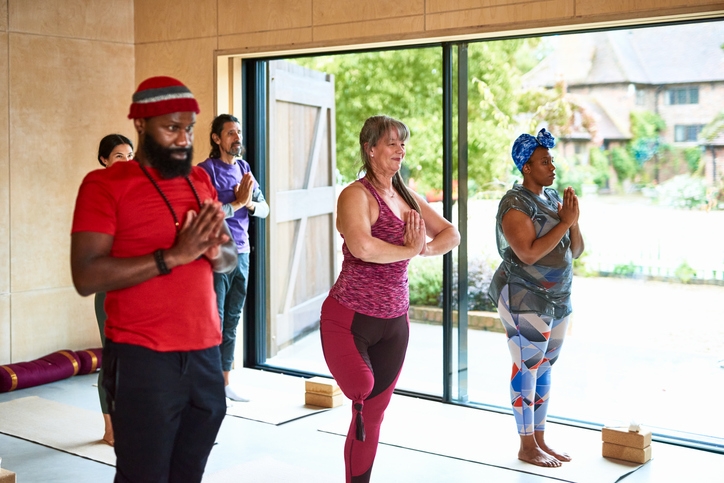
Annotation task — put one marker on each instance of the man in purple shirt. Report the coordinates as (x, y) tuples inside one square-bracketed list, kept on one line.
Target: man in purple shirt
[(242, 198)]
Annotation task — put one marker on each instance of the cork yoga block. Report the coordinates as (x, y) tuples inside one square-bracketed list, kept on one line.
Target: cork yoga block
[(322, 400), (323, 386), (624, 437), (627, 453)]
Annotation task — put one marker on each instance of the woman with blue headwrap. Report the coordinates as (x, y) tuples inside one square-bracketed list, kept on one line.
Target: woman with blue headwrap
[(538, 236)]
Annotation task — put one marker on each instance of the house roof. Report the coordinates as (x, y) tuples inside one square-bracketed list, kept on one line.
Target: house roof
[(673, 54), (717, 141), (606, 125)]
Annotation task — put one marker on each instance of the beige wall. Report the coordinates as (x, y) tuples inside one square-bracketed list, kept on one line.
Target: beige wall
[(69, 67), (67, 73)]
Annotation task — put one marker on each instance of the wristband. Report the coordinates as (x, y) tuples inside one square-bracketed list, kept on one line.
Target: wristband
[(160, 263)]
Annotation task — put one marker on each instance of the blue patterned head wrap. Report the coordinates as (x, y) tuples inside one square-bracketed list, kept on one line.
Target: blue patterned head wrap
[(524, 146)]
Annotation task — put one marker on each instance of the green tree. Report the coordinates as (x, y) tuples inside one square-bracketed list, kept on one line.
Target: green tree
[(495, 70), (407, 84)]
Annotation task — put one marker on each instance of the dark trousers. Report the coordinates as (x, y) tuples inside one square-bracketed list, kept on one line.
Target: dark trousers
[(230, 291), (166, 409), (100, 300)]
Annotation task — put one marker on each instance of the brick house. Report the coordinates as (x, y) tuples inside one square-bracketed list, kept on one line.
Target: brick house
[(675, 71)]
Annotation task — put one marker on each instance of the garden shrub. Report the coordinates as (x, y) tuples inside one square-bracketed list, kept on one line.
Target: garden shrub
[(623, 163), (684, 191), (684, 272), (480, 273), (425, 276)]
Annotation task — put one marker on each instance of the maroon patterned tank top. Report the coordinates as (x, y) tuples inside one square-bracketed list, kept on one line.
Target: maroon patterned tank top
[(376, 289)]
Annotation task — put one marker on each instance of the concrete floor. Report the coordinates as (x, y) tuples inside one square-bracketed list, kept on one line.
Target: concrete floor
[(299, 443)]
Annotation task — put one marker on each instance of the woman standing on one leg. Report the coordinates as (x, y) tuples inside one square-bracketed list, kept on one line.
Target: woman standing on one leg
[(538, 237), (112, 148), (364, 324)]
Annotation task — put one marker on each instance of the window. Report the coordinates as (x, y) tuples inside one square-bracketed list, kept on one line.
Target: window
[(683, 95), (640, 97), (686, 133), (458, 351)]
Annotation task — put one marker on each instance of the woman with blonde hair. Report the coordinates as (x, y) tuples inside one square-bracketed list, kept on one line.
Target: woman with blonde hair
[(364, 324)]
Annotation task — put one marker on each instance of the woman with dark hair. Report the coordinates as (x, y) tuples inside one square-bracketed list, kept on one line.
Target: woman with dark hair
[(538, 237), (364, 323), (112, 148)]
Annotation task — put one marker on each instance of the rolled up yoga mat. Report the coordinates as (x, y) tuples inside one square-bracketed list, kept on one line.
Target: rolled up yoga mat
[(53, 367), (90, 360)]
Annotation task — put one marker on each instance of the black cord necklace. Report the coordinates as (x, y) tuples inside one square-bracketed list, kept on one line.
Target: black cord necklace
[(158, 188)]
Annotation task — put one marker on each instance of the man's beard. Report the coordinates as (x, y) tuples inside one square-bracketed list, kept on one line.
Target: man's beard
[(160, 158), (236, 150)]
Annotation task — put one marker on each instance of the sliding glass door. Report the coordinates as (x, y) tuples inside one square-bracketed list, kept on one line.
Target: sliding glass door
[(645, 337)]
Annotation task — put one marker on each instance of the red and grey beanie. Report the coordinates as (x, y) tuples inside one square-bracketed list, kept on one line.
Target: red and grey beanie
[(157, 96)]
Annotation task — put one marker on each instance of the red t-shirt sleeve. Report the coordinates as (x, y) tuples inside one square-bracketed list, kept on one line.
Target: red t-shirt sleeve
[(202, 176), (95, 206)]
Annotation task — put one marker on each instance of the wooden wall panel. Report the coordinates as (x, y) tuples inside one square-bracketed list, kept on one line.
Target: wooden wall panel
[(273, 38), (110, 20), (61, 105), (437, 6), (5, 345), (174, 20), (531, 13), (654, 7), (351, 11), (245, 16), (191, 62), (385, 29), (3, 16), (52, 320), (4, 172)]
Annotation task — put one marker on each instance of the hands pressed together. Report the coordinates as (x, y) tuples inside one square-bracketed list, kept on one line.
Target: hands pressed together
[(568, 211), (244, 190), (201, 234), (415, 232)]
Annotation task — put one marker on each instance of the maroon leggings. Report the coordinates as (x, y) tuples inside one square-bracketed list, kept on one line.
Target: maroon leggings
[(365, 356)]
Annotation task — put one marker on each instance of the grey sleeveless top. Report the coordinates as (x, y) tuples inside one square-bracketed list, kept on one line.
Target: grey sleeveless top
[(543, 288)]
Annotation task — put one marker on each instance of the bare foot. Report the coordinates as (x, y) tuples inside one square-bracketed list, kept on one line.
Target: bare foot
[(108, 436), (559, 455), (538, 457), (531, 453)]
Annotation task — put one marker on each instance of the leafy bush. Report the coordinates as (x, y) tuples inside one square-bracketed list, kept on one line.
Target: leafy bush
[(684, 272), (646, 128), (684, 191), (580, 268), (425, 276), (480, 273), (627, 270), (574, 177), (623, 163), (599, 164), (693, 158)]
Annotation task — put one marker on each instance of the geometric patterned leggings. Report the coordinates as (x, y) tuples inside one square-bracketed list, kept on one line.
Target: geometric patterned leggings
[(365, 355), (535, 343)]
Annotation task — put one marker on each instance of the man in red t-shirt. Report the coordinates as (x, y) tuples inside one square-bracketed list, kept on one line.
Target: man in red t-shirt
[(149, 232)]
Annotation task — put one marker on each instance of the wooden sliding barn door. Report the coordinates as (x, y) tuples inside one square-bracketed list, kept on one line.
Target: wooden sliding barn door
[(301, 258)]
